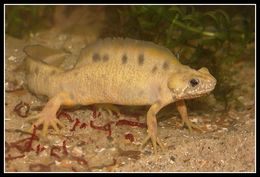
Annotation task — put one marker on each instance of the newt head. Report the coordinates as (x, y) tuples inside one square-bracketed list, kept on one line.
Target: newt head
[(187, 83)]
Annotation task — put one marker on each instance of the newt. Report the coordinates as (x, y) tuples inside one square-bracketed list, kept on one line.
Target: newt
[(119, 71)]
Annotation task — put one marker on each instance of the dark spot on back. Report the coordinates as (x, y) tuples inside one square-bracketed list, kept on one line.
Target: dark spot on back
[(53, 72), (124, 59), (154, 69), (141, 59), (36, 70), (165, 65), (95, 57), (105, 57)]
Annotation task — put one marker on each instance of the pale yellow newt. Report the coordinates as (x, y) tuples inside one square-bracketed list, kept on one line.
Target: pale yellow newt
[(118, 71)]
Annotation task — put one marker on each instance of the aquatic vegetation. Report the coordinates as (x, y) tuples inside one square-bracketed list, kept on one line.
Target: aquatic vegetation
[(212, 36)]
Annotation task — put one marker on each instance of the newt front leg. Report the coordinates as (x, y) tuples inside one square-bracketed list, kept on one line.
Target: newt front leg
[(152, 126), (184, 115)]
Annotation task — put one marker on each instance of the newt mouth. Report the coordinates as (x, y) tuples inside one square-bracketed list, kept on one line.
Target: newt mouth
[(191, 96)]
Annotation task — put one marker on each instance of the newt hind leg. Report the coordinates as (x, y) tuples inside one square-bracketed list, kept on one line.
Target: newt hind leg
[(152, 127), (110, 108), (47, 117)]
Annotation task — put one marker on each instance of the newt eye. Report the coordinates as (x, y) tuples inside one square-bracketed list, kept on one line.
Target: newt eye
[(194, 82)]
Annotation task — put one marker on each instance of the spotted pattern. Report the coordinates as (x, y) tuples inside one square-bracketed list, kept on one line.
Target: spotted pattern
[(53, 72), (165, 65), (105, 57), (141, 59), (154, 69), (96, 57), (124, 59)]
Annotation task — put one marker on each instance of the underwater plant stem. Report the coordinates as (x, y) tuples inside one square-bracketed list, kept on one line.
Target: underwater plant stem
[(196, 30)]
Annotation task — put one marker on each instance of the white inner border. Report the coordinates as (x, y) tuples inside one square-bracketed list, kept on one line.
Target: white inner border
[(131, 5)]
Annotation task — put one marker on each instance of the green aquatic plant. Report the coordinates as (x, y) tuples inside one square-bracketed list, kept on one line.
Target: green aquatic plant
[(181, 24), (211, 36)]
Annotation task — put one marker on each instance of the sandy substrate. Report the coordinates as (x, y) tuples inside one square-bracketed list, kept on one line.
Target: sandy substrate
[(96, 140), (228, 143)]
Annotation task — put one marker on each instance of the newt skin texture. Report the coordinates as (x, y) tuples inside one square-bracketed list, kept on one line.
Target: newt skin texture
[(118, 71)]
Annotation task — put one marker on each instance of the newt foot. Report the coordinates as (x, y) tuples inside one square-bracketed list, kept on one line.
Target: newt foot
[(191, 125), (110, 108), (47, 121), (155, 141)]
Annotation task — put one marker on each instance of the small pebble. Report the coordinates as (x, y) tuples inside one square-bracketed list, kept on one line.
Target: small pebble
[(12, 58)]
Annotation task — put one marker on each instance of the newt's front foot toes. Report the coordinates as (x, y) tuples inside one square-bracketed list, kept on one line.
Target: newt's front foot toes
[(192, 126), (155, 141), (47, 121)]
